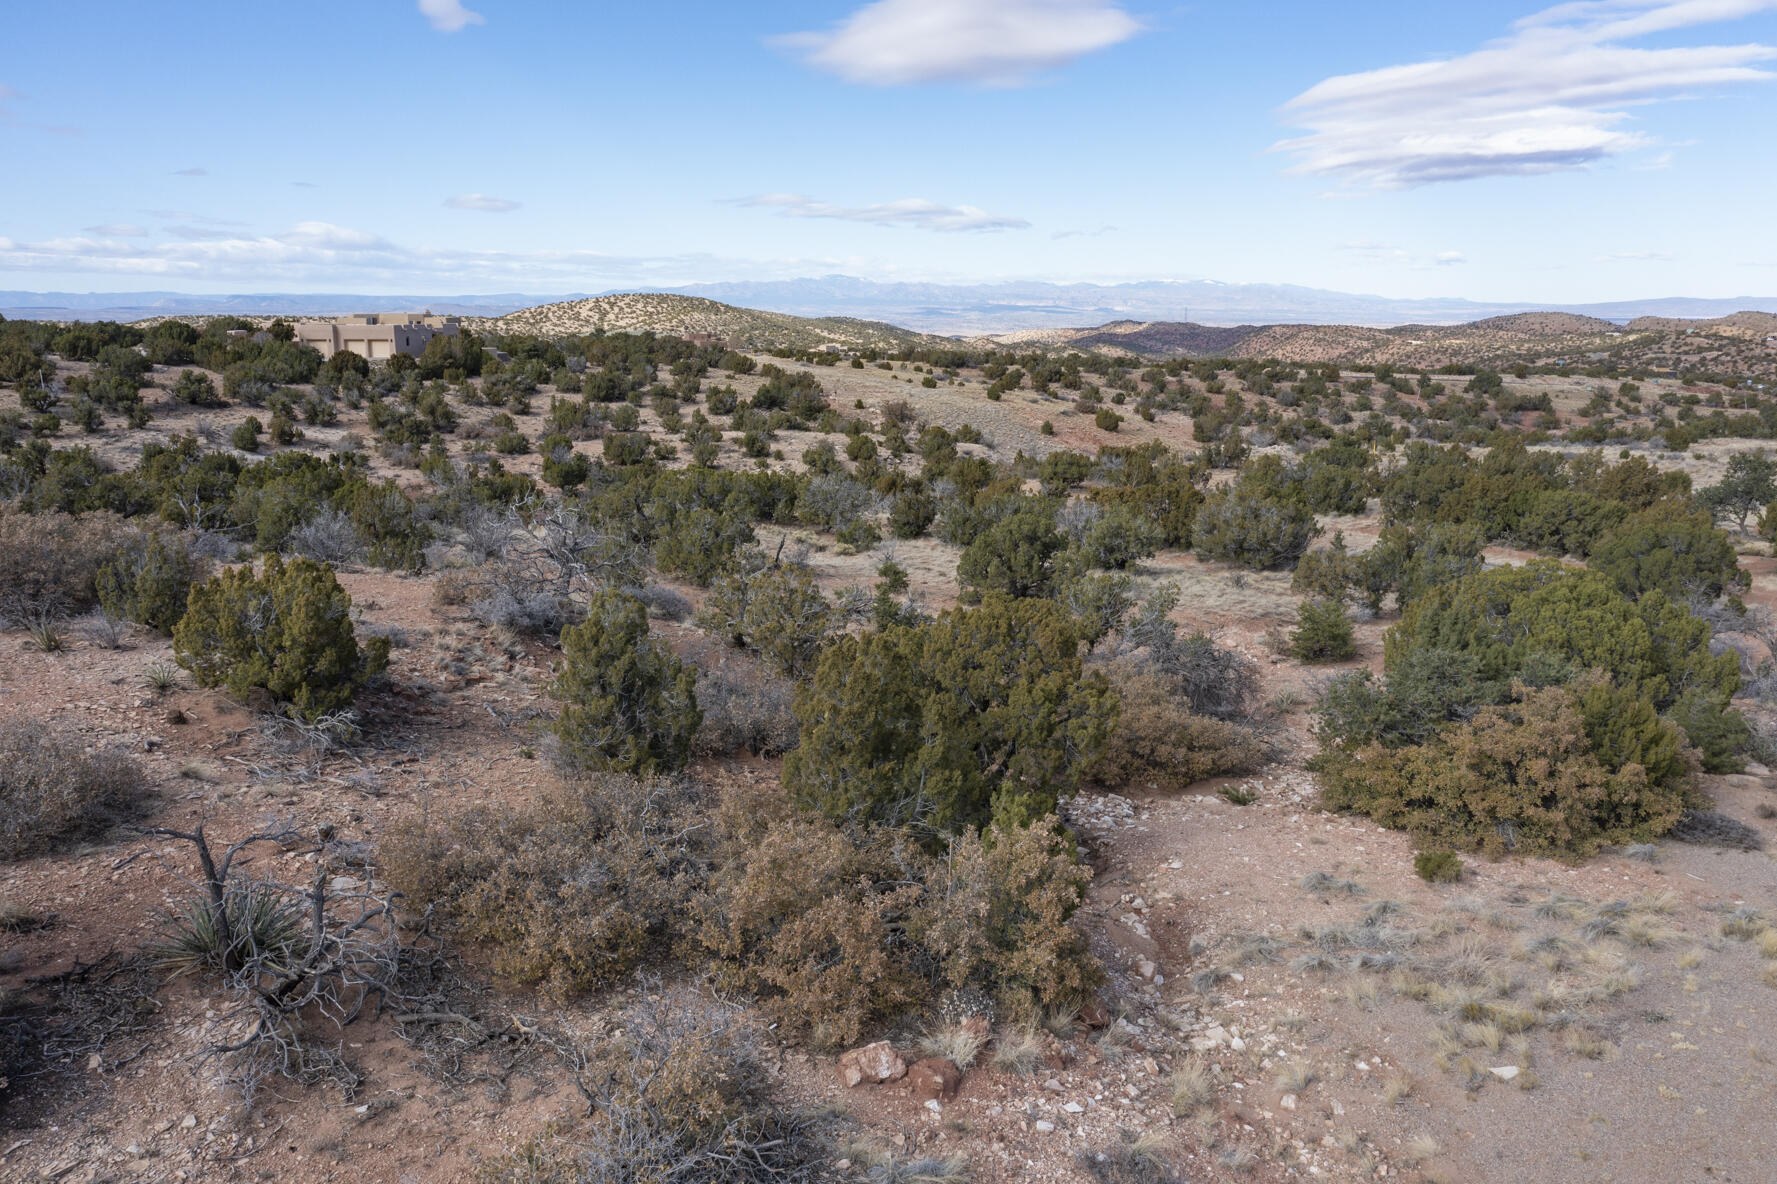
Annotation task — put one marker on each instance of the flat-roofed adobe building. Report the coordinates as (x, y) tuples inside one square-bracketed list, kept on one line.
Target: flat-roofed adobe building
[(377, 335)]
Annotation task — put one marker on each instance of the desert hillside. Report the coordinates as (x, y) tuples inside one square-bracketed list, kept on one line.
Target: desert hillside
[(684, 315)]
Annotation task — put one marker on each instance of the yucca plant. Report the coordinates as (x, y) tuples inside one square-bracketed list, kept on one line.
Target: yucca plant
[(46, 635), (160, 676), (254, 927)]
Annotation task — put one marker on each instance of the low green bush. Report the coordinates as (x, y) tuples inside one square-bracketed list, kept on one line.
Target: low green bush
[(1438, 867), (1322, 633), (285, 633)]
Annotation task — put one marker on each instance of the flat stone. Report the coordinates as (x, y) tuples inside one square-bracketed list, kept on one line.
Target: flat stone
[(1504, 1072)]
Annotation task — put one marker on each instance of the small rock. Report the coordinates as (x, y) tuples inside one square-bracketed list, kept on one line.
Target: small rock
[(1093, 1015), (934, 1078), (872, 1064), (1288, 1101), (1146, 968), (1044, 1126), (1504, 1072), (1074, 1108), (189, 1121)]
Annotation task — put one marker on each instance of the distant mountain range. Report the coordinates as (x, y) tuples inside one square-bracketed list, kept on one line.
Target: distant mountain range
[(949, 309)]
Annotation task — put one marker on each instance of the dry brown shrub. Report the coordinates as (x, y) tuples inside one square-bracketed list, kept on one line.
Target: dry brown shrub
[(994, 917), (1158, 736), (572, 893), (808, 918), (49, 562), (744, 709), (53, 791), (680, 1094), (834, 929)]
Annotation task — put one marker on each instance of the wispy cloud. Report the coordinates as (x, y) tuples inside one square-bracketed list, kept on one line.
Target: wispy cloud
[(1102, 230), (10, 118), (118, 230), (1373, 250), (482, 202), (916, 212), (302, 184), (985, 42), (1377, 252), (1635, 257), (449, 16), (325, 254), (199, 234), (1554, 94), (191, 172)]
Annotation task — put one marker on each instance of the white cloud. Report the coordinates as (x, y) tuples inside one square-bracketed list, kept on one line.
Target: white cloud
[(320, 254), (482, 202), (916, 212), (988, 42), (449, 16), (1449, 258), (118, 230), (1635, 257), (198, 234), (1552, 95)]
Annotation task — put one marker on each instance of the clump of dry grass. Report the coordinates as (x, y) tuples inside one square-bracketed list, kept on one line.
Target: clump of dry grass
[(16, 917), (1146, 1158), (1257, 948), (1021, 1050), (1193, 1087), (1323, 884), (961, 1043), (1745, 924), (1397, 1088), (1561, 907), (1292, 1077), (53, 791), (1485, 1034), (1582, 1042)]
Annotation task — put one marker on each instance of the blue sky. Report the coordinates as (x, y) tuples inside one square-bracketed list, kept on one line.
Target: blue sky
[(1501, 151)]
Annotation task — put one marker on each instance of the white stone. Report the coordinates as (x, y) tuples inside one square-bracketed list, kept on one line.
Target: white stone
[(1288, 1101), (1074, 1108), (1504, 1072), (1044, 1126)]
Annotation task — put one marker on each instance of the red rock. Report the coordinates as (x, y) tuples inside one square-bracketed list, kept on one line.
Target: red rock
[(1093, 1015), (934, 1078), (872, 1064)]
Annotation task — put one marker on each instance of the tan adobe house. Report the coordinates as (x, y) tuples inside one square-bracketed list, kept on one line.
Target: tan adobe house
[(376, 335)]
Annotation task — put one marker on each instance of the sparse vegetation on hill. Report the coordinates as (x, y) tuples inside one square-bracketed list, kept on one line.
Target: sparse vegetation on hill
[(659, 312), (901, 704)]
